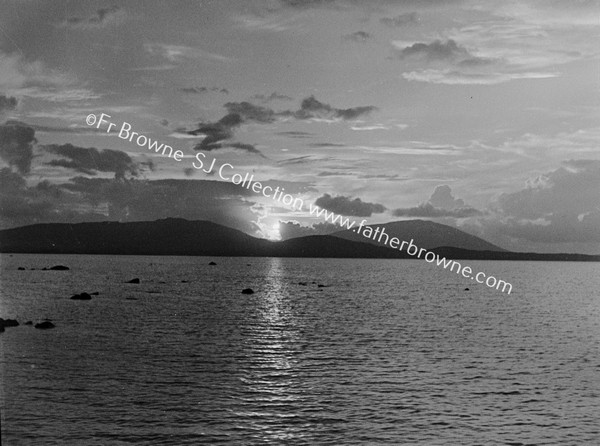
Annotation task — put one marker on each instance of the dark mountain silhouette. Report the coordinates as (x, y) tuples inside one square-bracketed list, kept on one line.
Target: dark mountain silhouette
[(174, 236), (426, 234)]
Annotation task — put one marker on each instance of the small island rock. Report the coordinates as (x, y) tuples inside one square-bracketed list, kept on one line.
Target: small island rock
[(8, 323), (247, 291), (136, 280), (58, 268), (82, 296), (44, 325)]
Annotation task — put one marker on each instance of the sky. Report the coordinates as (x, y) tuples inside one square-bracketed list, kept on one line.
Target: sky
[(476, 114)]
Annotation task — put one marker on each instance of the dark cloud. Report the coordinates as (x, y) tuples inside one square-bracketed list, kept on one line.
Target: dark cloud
[(326, 144), (23, 205), (436, 50), (298, 135), (358, 36), (200, 90), (246, 148), (102, 199), (217, 131), (249, 148), (328, 173), (296, 160), (194, 90), (16, 145), (427, 210), (102, 16), (400, 20), (441, 204), (252, 113), (7, 103), (91, 160), (246, 112), (293, 229), (347, 206), (312, 108), (306, 3), (272, 97)]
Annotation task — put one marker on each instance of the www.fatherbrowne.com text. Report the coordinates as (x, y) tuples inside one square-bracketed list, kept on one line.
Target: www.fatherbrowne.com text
[(227, 172)]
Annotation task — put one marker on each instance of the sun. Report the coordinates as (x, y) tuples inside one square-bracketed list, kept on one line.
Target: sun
[(272, 232)]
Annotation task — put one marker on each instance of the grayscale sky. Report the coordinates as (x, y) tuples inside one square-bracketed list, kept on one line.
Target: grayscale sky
[(478, 114)]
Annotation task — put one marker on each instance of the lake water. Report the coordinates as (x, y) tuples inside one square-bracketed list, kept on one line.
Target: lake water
[(390, 352)]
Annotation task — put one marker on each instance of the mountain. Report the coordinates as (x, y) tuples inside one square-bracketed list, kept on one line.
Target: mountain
[(426, 234), (173, 236)]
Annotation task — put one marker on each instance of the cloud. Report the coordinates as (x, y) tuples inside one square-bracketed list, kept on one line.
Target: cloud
[(296, 134), (16, 145), (441, 204), (180, 53), (32, 78), (358, 36), (246, 112), (442, 198), (427, 210), (217, 131), (251, 113), (249, 148), (201, 90), (103, 199), (272, 97), (293, 229), (311, 108), (571, 190), (347, 206), (7, 103), (454, 77), (436, 50), (101, 18), (400, 20), (91, 160), (558, 211)]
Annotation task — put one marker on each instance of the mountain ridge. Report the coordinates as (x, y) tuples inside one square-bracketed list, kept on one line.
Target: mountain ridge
[(173, 236)]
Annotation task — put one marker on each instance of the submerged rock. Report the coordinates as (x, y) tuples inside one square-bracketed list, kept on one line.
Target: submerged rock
[(136, 280), (247, 291), (44, 325), (212, 263), (466, 289), (82, 296)]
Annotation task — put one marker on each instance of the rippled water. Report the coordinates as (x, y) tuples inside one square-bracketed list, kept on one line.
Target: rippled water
[(390, 352)]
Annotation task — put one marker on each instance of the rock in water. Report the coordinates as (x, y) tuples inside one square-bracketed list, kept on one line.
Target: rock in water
[(136, 280), (212, 263), (59, 268), (28, 323), (247, 291), (44, 325), (82, 296), (8, 323), (20, 268)]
